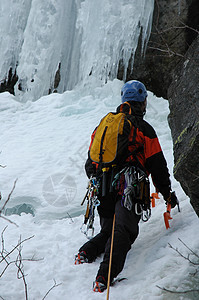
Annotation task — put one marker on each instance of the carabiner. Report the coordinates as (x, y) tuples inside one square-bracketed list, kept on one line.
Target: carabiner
[(136, 209), (146, 215), (88, 234)]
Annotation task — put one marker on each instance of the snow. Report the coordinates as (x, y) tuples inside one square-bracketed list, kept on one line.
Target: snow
[(73, 40), (44, 144)]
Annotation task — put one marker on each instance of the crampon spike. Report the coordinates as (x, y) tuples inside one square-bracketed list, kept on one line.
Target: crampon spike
[(98, 288), (167, 216)]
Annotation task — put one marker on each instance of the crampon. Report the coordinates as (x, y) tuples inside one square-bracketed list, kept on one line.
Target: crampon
[(99, 285), (81, 258)]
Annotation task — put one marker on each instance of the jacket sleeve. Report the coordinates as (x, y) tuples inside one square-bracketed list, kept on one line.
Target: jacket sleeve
[(156, 165), (90, 167)]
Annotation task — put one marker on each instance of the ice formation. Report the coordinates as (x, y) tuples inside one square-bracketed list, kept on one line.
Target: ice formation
[(56, 44)]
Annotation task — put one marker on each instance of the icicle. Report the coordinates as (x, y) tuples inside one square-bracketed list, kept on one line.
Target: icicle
[(87, 39), (110, 33), (179, 7)]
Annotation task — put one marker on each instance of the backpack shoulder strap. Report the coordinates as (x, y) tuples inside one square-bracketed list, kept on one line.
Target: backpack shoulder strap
[(122, 106)]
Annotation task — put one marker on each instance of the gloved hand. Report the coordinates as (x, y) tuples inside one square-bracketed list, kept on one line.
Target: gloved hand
[(172, 199)]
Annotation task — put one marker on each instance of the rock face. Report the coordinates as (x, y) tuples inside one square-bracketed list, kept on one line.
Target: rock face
[(7, 85), (170, 69), (171, 36), (183, 96)]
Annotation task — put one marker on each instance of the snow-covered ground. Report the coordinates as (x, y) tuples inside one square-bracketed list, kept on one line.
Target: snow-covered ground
[(44, 144)]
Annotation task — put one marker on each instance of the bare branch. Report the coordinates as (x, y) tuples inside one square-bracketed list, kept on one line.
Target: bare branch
[(2, 239), (188, 248), (177, 27), (8, 220), (16, 247), (194, 274), (177, 292), (18, 261), (187, 258), (8, 197), (168, 51), (70, 217), (55, 285), (196, 176), (20, 272)]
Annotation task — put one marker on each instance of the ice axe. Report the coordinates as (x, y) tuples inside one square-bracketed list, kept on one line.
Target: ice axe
[(153, 197), (167, 216)]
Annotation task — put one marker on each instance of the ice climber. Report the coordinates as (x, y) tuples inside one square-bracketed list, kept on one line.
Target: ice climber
[(144, 156)]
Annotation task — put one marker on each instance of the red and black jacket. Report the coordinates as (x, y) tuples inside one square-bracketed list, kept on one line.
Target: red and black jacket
[(151, 157)]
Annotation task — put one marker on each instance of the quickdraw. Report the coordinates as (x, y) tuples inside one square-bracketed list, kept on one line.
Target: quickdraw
[(136, 191), (145, 214), (92, 201)]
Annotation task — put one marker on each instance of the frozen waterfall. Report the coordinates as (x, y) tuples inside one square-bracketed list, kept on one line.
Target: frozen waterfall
[(56, 44)]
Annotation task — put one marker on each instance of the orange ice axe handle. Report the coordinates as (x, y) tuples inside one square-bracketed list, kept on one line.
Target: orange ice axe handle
[(167, 216), (153, 197)]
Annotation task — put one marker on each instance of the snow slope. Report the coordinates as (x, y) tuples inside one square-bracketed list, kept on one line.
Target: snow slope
[(44, 144)]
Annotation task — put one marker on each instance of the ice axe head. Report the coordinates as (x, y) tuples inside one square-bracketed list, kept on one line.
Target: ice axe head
[(153, 197), (167, 216)]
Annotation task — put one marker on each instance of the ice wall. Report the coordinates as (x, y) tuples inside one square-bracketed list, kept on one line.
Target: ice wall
[(57, 44), (110, 32), (47, 48), (13, 21)]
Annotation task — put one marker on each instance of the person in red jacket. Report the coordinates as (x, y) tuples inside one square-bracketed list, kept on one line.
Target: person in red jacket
[(144, 142)]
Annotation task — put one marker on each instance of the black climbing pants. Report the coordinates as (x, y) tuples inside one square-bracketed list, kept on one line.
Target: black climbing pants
[(125, 232)]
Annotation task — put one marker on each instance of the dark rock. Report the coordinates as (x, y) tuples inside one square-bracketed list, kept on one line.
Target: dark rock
[(184, 122), (168, 43), (170, 69), (7, 84), (57, 77)]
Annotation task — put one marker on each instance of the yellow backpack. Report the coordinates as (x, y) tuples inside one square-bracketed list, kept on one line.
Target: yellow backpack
[(110, 143)]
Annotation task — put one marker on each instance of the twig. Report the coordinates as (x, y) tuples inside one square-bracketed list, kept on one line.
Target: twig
[(4, 257), (177, 292), (2, 239), (177, 27), (169, 51), (197, 177), (188, 248), (8, 220), (19, 266), (2, 166), (8, 197), (55, 285), (194, 274), (70, 217), (187, 258)]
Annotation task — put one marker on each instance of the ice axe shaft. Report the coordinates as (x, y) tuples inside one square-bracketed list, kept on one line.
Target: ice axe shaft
[(167, 216)]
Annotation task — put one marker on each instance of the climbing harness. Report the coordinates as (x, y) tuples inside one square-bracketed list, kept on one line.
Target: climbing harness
[(92, 201), (136, 191)]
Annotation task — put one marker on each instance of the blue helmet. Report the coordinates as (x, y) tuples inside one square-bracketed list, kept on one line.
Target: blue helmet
[(133, 91)]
